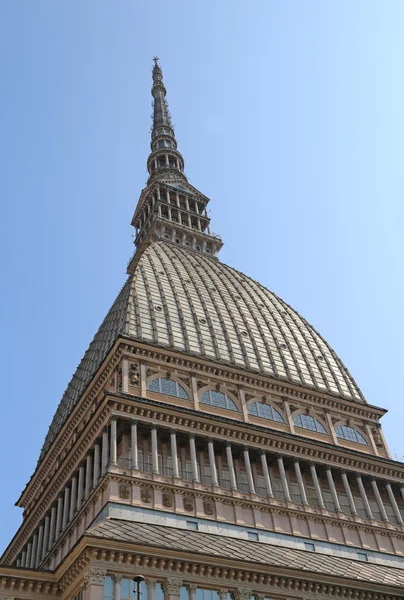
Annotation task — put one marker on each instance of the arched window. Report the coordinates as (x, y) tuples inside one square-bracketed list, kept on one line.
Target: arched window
[(265, 411), (308, 422), (218, 399), (349, 433), (169, 387)]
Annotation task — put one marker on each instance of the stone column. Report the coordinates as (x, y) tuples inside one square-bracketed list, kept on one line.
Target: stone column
[(154, 451), (125, 376), (172, 588), (394, 503), (33, 551), (104, 464), (174, 455), (194, 462), (230, 465), (80, 489), (24, 558), (250, 478), (45, 537), (96, 465), (59, 518), (143, 387), (364, 497), (133, 446), (192, 591), (28, 558), (284, 481), (267, 478), (117, 587), (52, 528), (243, 593), (39, 547), (113, 448), (94, 583), (89, 475), (300, 482), (334, 494), (212, 462), (317, 485), (151, 589), (348, 492), (73, 498), (66, 505), (379, 500)]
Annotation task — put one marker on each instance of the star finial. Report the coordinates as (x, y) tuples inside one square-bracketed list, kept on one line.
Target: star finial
[(156, 59)]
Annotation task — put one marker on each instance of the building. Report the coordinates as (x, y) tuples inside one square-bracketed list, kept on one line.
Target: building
[(210, 440)]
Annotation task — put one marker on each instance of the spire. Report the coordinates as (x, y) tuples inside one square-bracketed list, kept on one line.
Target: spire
[(164, 162)]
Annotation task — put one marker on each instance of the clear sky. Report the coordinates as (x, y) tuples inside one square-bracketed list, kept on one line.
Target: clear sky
[(290, 117)]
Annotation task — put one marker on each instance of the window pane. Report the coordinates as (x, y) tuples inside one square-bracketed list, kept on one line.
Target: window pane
[(168, 387), (154, 385), (218, 399), (253, 409)]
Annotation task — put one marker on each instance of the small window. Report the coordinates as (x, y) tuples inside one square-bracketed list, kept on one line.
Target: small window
[(265, 411), (192, 525), (253, 536), (345, 432), (168, 387), (362, 556), (214, 398), (308, 422), (309, 546)]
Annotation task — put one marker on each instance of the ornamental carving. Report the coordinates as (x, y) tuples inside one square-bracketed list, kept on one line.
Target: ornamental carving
[(189, 503), (168, 499), (208, 507), (124, 491), (134, 374), (377, 437), (95, 576), (146, 495), (172, 585), (242, 593)]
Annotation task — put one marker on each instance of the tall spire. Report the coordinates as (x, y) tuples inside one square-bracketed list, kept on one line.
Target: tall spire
[(164, 162), (169, 207)]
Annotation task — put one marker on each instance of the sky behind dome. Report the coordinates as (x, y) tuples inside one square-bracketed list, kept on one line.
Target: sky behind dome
[(290, 118)]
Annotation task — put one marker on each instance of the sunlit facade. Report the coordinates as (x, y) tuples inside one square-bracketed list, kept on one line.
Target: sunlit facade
[(211, 441)]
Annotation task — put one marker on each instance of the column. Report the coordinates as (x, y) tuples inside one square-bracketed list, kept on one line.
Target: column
[(96, 465), (192, 591), (300, 482), (39, 547), (66, 506), (117, 587), (89, 468), (52, 527), (113, 448), (104, 464), (172, 588), (125, 375), (154, 451), (24, 559), (94, 583), (194, 463), (402, 491), (45, 537), (379, 500), (212, 462), (394, 503), (143, 390), (59, 518), (267, 478), (28, 558), (364, 497), (174, 455), (133, 446), (334, 494), (250, 478), (348, 492), (230, 465), (33, 551), (73, 498), (151, 589), (317, 485), (80, 488), (284, 481)]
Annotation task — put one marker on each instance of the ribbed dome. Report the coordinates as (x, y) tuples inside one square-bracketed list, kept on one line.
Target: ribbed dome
[(195, 304)]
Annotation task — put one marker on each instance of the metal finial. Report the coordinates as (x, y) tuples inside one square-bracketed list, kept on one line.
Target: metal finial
[(156, 60)]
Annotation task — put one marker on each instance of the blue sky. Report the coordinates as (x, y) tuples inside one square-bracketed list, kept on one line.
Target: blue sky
[(290, 118)]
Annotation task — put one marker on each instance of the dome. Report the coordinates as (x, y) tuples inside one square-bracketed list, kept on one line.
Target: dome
[(195, 304)]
